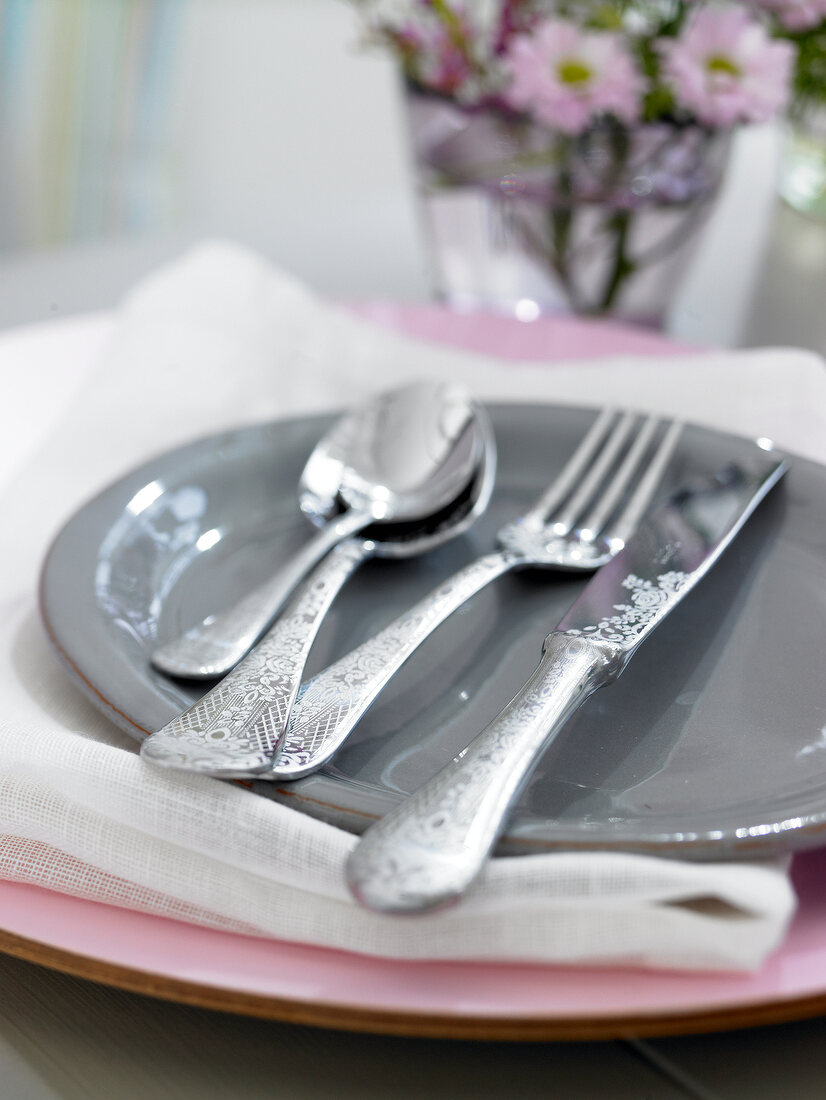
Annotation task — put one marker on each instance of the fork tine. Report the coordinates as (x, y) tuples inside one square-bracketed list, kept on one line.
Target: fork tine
[(647, 485), (611, 495), (579, 501), (571, 472)]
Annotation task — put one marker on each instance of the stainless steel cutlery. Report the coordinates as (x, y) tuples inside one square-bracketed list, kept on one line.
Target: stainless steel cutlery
[(580, 521), (249, 725), (235, 728), (429, 849), (594, 516)]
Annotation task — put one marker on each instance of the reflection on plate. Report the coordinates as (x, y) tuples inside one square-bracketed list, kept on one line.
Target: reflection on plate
[(712, 741)]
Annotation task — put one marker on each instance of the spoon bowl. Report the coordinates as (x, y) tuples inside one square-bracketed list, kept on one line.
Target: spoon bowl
[(400, 458)]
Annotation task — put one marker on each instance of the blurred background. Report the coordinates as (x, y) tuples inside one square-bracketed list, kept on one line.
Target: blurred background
[(130, 129)]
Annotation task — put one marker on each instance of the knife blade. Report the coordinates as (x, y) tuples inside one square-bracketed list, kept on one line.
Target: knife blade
[(427, 851)]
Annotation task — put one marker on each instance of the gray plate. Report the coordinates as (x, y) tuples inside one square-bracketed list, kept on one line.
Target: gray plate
[(713, 741)]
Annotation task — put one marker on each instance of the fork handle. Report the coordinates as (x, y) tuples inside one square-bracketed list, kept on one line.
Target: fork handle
[(426, 852), (329, 706), (235, 728)]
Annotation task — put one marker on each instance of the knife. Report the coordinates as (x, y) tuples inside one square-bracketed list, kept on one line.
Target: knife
[(427, 851)]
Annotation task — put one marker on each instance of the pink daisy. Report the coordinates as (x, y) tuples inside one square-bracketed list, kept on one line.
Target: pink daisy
[(566, 77), (725, 69)]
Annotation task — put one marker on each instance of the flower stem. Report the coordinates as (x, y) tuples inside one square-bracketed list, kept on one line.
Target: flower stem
[(561, 216), (619, 225)]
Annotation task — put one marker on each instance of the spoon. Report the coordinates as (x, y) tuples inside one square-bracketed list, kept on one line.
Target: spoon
[(237, 727), (401, 456)]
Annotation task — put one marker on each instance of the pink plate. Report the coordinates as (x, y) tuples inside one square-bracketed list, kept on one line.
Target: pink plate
[(290, 981)]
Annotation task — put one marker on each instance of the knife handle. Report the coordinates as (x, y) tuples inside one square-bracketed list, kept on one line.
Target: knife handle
[(331, 703), (235, 728), (426, 852)]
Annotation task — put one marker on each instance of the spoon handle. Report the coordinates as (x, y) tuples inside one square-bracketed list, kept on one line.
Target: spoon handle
[(426, 852), (234, 730), (329, 706), (215, 646)]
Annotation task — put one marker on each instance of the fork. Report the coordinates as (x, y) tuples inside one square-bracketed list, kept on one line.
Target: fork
[(581, 521)]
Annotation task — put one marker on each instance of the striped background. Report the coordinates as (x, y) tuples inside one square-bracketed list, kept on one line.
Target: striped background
[(84, 139)]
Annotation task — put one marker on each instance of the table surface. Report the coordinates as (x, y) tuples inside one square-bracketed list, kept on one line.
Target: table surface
[(62, 1037)]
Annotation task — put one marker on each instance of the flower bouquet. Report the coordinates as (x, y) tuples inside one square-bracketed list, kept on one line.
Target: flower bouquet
[(568, 150)]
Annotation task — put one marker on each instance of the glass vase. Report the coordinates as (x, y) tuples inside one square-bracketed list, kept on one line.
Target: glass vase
[(522, 220)]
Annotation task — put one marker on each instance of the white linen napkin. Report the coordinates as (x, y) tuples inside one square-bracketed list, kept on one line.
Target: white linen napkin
[(220, 339)]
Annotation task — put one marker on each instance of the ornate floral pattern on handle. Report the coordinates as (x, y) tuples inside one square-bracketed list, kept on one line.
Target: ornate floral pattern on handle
[(425, 853), (235, 728), (329, 705)]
